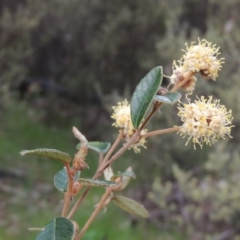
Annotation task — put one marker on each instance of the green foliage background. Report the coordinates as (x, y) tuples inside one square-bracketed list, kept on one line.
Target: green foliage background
[(90, 55)]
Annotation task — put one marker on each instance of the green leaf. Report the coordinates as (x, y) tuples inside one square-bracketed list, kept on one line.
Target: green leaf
[(58, 229), (144, 94), (170, 97), (131, 206), (100, 147), (61, 180), (96, 183), (49, 153)]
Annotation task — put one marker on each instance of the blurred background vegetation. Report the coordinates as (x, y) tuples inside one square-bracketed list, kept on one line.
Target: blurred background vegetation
[(65, 63)]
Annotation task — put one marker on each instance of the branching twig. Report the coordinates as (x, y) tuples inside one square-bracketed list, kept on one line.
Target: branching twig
[(159, 132), (100, 171)]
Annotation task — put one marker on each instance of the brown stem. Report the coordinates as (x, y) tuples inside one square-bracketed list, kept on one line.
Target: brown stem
[(78, 202), (186, 76), (100, 159), (116, 155), (110, 151), (68, 194), (95, 212), (159, 132)]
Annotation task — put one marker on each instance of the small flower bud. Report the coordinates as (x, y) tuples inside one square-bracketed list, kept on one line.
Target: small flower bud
[(162, 91)]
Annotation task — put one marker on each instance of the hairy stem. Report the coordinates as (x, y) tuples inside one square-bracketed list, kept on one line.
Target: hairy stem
[(95, 212), (68, 194), (78, 202), (110, 151), (100, 159), (159, 132)]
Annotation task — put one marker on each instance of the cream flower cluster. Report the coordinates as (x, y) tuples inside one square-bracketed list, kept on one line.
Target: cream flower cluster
[(123, 120), (202, 58), (198, 58), (204, 121)]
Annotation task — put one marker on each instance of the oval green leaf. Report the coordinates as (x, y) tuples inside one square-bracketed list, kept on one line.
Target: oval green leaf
[(144, 94), (61, 180), (58, 229), (96, 183), (49, 153), (100, 147), (170, 97), (130, 206)]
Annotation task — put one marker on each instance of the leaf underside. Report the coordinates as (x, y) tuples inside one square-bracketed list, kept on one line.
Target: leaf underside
[(96, 183), (130, 206), (49, 153), (170, 97), (100, 147)]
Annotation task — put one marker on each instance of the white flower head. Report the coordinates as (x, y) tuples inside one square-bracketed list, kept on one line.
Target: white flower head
[(123, 120), (204, 121), (203, 58)]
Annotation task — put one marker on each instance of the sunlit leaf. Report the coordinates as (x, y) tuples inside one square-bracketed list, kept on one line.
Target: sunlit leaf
[(100, 147), (144, 94), (61, 180), (49, 153), (96, 183), (170, 97), (131, 206), (58, 229)]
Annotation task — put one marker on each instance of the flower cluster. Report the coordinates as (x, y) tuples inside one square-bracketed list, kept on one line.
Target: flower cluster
[(123, 120), (204, 121), (198, 58), (203, 58)]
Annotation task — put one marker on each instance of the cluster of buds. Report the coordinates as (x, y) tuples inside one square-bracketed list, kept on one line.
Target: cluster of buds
[(123, 121)]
